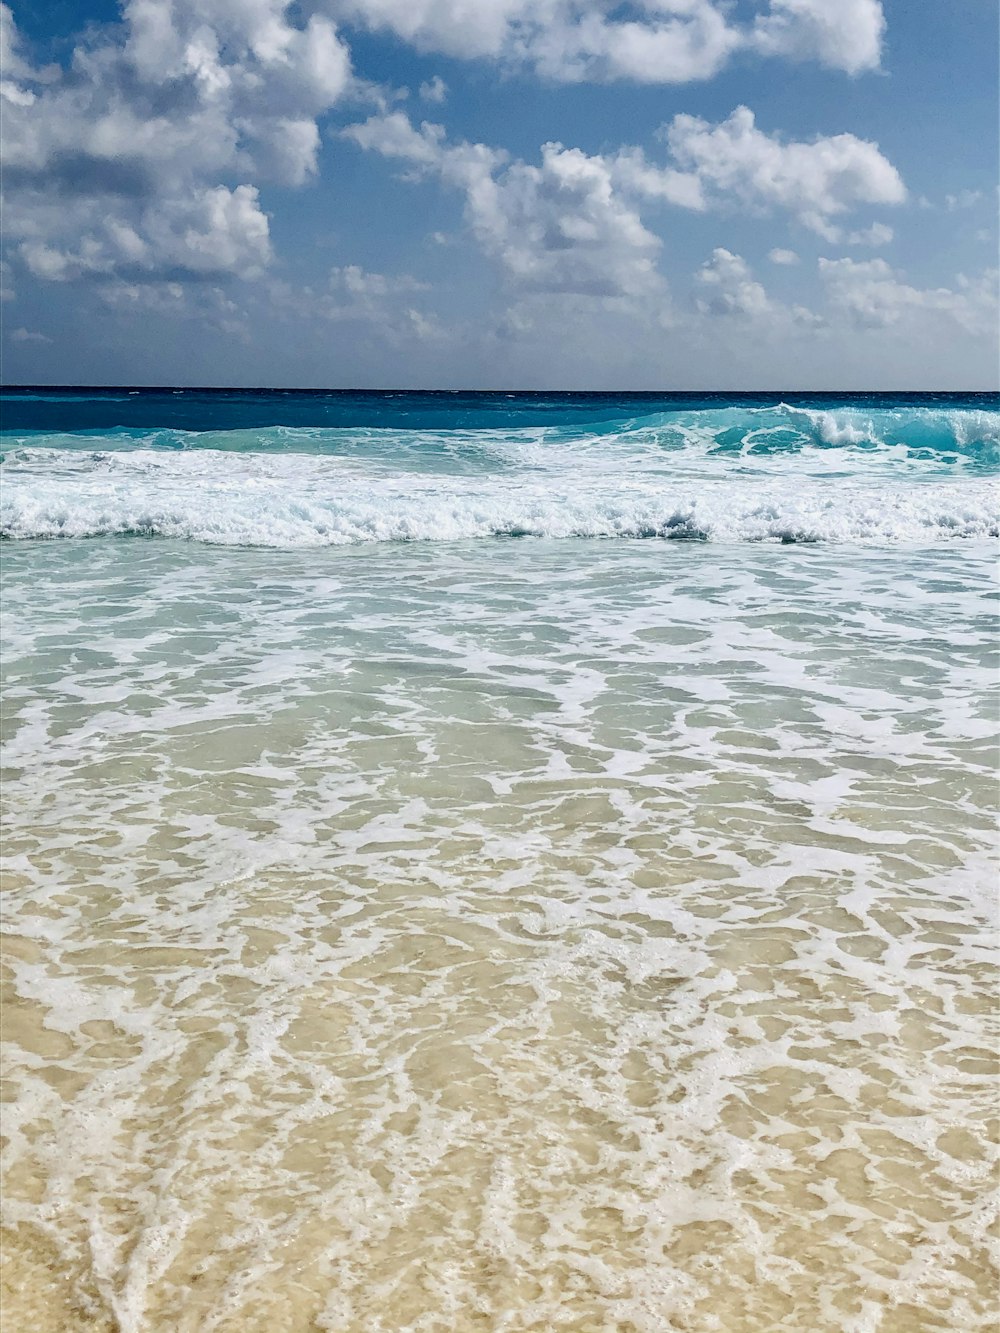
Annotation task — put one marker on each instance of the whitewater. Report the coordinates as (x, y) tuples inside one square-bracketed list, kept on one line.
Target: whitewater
[(499, 863), (782, 474)]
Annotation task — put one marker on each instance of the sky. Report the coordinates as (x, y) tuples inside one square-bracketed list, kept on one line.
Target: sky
[(577, 194)]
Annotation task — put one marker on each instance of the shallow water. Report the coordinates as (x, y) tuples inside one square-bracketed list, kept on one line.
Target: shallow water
[(538, 935)]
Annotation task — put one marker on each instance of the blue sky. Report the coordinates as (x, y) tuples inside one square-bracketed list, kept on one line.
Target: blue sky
[(501, 193)]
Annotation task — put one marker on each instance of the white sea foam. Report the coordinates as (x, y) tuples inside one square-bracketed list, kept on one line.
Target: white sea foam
[(301, 500), (595, 940)]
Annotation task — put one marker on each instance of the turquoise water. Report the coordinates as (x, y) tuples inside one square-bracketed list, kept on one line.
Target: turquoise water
[(408, 927), (283, 470)]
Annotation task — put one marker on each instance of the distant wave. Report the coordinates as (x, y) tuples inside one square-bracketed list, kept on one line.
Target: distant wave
[(301, 501), (943, 435), (785, 428)]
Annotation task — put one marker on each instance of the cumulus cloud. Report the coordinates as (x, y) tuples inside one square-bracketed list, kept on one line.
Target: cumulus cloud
[(842, 34), (131, 160), (873, 295), (785, 257), (686, 40), (654, 41), (729, 287), (877, 234), (211, 232), (28, 336), (434, 90), (181, 88), (815, 180), (862, 296), (572, 222), (635, 174), (560, 226), (393, 135)]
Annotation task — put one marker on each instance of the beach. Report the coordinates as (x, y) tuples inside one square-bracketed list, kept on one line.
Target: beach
[(526, 865)]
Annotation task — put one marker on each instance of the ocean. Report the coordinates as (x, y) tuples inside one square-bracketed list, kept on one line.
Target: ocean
[(499, 863)]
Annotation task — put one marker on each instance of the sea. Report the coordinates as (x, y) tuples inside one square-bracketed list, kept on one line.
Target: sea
[(499, 862)]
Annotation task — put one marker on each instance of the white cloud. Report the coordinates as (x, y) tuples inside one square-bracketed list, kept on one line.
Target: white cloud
[(383, 304), (54, 265), (180, 89), (861, 296), (116, 165), (163, 297), (142, 160), (572, 223), (28, 336), (816, 181), (363, 287), (638, 176), (561, 226), (804, 318), (873, 295), (655, 41), (785, 257), (464, 28), (245, 54), (393, 135), (210, 307), (875, 235), (843, 34), (730, 288), (434, 90), (964, 199), (212, 231), (685, 40), (15, 67)]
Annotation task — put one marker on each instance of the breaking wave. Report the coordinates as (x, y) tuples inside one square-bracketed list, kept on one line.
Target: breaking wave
[(308, 501)]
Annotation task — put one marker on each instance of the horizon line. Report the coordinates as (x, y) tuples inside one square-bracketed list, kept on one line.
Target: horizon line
[(279, 388)]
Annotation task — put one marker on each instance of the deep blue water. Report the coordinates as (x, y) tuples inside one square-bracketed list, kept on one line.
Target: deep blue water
[(36, 408)]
